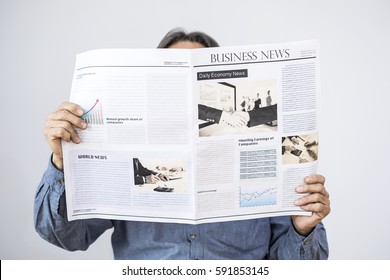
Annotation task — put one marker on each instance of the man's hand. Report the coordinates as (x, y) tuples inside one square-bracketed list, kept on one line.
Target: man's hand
[(234, 119), (163, 177), (152, 179), (316, 201), (60, 125)]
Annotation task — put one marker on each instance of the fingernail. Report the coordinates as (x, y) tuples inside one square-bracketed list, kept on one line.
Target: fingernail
[(80, 112), (308, 179), (84, 124), (299, 189), (77, 139), (297, 202)]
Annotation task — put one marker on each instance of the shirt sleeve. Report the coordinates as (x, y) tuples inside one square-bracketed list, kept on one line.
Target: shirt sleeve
[(263, 115), (287, 244), (209, 114), (50, 217)]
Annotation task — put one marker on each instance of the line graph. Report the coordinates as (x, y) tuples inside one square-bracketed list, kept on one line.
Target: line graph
[(95, 114), (258, 197)]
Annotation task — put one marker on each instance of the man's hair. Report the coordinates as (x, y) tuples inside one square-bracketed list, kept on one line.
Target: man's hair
[(179, 35)]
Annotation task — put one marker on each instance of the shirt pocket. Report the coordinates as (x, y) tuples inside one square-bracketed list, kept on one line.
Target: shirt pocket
[(246, 235)]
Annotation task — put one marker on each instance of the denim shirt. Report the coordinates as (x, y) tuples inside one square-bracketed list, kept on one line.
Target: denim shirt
[(266, 238)]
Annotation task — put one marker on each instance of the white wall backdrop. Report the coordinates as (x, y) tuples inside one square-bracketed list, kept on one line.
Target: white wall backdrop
[(38, 43)]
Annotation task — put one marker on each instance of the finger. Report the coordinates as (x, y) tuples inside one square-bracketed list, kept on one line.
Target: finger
[(56, 133), (243, 121), (312, 198), (319, 208), (64, 115), (239, 121), (315, 178), (152, 179), (61, 130), (72, 108), (67, 109), (313, 188)]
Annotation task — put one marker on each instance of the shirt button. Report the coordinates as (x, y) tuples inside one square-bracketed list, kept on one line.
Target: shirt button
[(193, 235)]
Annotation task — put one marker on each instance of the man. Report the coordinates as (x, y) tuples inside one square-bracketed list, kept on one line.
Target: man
[(297, 237), (257, 102), (269, 98), (142, 175)]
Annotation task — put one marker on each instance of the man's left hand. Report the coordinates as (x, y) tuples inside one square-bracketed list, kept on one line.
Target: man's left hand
[(316, 201)]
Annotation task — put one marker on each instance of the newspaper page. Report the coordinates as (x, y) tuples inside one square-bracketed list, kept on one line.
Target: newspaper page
[(193, 136), (252, 171)]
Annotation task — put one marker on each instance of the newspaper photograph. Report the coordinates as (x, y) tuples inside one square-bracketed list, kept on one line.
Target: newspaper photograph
[(193, 136)]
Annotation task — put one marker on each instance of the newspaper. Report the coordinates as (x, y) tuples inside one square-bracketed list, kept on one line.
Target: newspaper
[(193, 136)]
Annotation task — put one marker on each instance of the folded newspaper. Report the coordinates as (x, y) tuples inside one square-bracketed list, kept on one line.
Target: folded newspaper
[(193, 136)]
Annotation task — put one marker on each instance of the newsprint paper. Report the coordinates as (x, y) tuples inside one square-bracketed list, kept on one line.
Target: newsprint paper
[(193, 136)]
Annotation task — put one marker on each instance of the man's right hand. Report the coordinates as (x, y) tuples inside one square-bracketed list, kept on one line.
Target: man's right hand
[(152, 179), (234, 119), (60, 125)]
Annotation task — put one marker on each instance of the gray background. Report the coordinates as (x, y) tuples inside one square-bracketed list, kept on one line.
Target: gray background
[(39, 41)]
